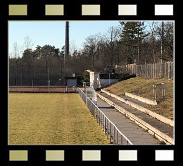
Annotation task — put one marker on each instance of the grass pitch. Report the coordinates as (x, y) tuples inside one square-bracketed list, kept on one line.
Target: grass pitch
[(52, 119)]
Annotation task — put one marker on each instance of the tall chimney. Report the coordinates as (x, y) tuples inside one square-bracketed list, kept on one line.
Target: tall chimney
[(66, 39)]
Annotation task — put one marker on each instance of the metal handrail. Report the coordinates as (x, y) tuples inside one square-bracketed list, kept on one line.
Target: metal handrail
[(101, 121)]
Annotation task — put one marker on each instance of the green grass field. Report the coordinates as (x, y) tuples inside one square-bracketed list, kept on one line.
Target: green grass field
[(52, 119), (144, 87)]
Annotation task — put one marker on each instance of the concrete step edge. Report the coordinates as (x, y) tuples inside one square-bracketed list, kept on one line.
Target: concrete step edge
[(152, 130), (142, 99), (142, 109)]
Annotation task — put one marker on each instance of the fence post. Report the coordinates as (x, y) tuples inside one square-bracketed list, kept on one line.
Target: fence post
[(99, 118), (152, 70), (168, 70), (163, 92), (171, 70), (107, 129), (117, 137), (95, 113), (92, 110), (103, 123), (172, 74), (114, 136), (110, 132), (154, 91)]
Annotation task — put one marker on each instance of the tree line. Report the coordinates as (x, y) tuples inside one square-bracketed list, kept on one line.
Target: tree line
[(137, 42)]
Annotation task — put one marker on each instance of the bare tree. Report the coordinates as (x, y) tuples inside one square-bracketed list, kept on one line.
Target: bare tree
[(164, 35), (91, 47), (16, 54), (16, 51), (73, 47), (152, 28), (28, 44), (112, 38)]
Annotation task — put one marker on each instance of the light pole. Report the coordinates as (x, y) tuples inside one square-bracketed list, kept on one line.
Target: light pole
[(49, 86), (109, 79), (48, 81)]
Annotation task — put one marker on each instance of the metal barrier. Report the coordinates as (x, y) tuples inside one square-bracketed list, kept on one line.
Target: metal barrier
[(159, 92), (43, 89), (110, 129)]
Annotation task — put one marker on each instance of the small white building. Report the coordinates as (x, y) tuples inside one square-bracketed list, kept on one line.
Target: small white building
[(93, 80), (100, 80)]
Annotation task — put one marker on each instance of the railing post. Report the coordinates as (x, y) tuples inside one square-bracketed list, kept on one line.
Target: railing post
[(95, 113), (93, 110), (117, 137), (91, 107), (110, 132), (107, 129), (103, 123), (99, 118), (114, 136)]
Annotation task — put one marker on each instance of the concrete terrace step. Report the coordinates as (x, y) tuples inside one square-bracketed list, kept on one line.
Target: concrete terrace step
[(141, 106), (136, 134), (142, 99), (154, 126), (135, 101)]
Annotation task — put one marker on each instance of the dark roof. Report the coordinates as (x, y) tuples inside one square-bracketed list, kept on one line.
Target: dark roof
[(70, 78)]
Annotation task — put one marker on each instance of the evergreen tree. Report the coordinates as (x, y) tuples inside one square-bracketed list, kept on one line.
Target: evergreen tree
[(131, 37)]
